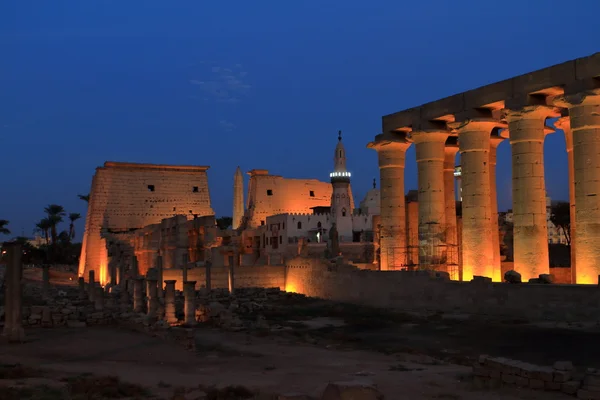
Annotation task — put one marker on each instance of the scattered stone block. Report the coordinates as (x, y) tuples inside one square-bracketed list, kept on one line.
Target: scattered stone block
[(522, 381), (591, 380), (584, 394), (546, 278), (76, 324), (355, 390), (552, 385), (562, 376), (544, 373), (570, 387), (536, 384), (479, 370), (512, 276), (481, 279), (509, 378), (563, 366)]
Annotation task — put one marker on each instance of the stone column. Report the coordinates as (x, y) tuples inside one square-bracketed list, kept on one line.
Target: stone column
[(584, 112), (99, 298), (450, 210), (123, 297), (121, 271), (13, 311), (45, 280), (159, 270), (495, 141), (432, 203), (477, 230), (231, 273), (170, 314), (112, 269), (208, 266), (189, 291), (138, 295), (135, 270), (91, 285), (391, 152), (81, 284), (564, 124), (152, 293), (530, 230)]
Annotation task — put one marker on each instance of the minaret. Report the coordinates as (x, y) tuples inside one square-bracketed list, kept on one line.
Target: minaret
[(238, 198), (342, 203)]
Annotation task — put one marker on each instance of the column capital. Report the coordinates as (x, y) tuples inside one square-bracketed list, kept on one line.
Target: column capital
[(530, 112), (428, 136), (476, 124), (450, 157), (563, 123), (587, 97), (385, 142)]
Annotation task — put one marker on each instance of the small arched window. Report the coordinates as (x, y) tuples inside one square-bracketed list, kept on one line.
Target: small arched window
[(299, 225), (340, 154), (318, 225), (343, 212)]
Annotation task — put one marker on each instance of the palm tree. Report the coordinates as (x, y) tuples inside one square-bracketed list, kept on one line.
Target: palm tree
[(84, 197), (44, 227), (3, 229), (55, 214), (73, 217)]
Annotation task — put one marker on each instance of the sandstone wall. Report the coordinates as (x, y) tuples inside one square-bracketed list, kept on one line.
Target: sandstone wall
[(254, 276), (272, 194), (414, 292), (126, 196)]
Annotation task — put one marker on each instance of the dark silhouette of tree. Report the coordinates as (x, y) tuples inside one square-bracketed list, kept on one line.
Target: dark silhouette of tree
[(224, 222), (43, 227), (561, 218), (3, 229), (73, 217), (84, 197), (55, 214)]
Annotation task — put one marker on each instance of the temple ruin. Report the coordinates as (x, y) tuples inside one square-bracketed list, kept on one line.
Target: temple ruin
[(125, 197)]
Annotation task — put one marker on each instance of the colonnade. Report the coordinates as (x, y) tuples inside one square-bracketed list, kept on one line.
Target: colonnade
[(478, 139)]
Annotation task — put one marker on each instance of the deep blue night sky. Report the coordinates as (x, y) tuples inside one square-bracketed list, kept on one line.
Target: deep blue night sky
[(260, 84)]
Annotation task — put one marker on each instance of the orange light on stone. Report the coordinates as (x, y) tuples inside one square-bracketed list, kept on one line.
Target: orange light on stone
[(290, 287)]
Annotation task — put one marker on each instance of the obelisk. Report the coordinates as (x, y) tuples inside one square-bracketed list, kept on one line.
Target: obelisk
[(238, 198)]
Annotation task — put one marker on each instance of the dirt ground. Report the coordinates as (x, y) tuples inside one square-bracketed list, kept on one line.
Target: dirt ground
[(310, 343), (270, 364)]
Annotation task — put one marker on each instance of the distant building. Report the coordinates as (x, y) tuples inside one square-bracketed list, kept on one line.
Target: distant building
[(555, 234)]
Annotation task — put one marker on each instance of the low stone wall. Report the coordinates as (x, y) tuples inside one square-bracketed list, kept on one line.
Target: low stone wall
[(249, 276), (419, 292), (494, 372)]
